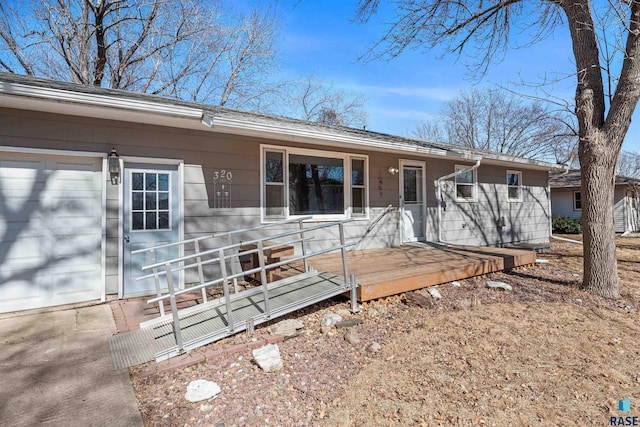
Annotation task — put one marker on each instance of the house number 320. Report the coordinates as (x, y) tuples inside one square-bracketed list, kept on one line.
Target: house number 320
[(222, 189), (222, 174)]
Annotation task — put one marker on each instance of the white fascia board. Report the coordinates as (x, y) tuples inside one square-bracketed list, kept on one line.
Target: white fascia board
[(98, 100), (307, 136), (517, 162)]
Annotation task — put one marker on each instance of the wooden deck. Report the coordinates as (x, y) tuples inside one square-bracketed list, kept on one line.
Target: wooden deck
[(391, 271)]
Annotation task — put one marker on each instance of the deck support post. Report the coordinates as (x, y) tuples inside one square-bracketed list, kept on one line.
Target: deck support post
[(174, 307), (354, 294), (225, 287)]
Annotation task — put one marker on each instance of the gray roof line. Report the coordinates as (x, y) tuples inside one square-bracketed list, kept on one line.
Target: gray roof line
[(263, 118)]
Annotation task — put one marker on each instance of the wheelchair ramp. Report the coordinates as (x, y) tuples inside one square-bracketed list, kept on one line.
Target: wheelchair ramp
[(209, 322)]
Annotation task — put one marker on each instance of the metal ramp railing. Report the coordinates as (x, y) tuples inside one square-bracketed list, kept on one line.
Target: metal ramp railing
[(183, 330)]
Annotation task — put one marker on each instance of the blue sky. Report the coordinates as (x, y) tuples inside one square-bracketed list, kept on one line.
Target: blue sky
[(317, 37)]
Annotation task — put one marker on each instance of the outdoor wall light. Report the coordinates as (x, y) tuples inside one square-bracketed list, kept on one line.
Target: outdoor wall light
[(114, 167), (207, 120), (393, 170)]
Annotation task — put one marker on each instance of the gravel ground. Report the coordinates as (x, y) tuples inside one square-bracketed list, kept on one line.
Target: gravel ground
[(546, 353)]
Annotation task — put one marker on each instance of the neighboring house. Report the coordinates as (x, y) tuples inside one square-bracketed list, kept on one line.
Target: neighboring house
[(566, 199), (71, 213)]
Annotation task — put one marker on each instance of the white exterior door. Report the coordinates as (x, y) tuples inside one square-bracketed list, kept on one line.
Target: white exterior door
[(412, 200), (150, 218), (50, 230)]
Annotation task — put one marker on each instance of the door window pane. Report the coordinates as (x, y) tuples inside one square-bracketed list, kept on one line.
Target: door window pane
[(149, 204), (151, 201), (163, 181), (137, 181), (150, 181), (163, 200), (137, 200), (137, 221), (150, 221)]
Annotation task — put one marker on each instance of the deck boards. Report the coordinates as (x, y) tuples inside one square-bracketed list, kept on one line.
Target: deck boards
[(390, 271)]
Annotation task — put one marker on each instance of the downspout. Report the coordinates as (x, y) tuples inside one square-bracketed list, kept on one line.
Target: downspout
[(551, 236), (439, 194)]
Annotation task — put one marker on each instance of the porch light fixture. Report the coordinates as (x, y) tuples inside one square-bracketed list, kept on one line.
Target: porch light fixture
[(114, 167), (207, 120), (393, 170)]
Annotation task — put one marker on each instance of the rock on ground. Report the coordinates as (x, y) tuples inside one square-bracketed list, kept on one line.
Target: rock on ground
[(287, 328), (268, 357), (201, 390), (499, 285)]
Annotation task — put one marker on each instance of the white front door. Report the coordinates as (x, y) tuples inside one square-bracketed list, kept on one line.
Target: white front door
[(50, 230), (150, 218), (412, 200)]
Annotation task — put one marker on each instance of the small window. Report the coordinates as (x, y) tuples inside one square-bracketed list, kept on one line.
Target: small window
[(274, 184), (150, 201), (577, 201), (465, 184), (358, 187), (514, 186)]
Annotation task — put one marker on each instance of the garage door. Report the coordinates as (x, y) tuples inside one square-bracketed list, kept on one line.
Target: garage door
[(50, 230)]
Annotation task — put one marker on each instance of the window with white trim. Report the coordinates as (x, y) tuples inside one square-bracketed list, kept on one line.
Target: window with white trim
[(577, 201), (514, 186), (299, 182), (358, 186), (465, 183)]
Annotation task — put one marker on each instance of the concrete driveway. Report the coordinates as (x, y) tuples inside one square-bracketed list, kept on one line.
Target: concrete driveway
[(56, 369)]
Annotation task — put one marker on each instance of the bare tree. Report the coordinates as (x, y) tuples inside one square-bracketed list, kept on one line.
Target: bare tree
[(314, 100), (486, 27), (502, 122), (182, 48), (628, 164)]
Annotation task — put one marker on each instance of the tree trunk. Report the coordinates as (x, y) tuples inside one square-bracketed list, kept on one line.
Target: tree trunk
[(597, 161)]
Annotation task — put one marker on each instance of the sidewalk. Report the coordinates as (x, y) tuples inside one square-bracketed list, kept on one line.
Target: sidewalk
[(56, 370)]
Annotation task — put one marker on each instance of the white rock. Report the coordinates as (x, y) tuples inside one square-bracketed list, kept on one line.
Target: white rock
[(331, 319), (352, 336), (200, 390), (343, 312), (456, 284), (499, 285), (435, 293), (287, 327), (268, 357), (542, 261), (374, 347)]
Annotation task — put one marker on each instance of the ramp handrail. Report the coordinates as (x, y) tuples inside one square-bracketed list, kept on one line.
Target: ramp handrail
[(153, 252), (229, 253)]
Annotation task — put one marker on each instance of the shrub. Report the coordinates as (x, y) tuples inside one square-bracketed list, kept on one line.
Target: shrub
[(562, 225)]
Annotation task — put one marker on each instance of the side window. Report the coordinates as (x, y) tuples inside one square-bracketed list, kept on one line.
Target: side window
[(358, 187), (465, 184), (577, 201), (514, 186), (274, 184)]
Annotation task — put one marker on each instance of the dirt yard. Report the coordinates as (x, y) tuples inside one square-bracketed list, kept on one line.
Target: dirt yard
[(546, 353)]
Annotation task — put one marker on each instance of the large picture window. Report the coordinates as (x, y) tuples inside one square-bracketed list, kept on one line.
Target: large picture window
[(308, 182)]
